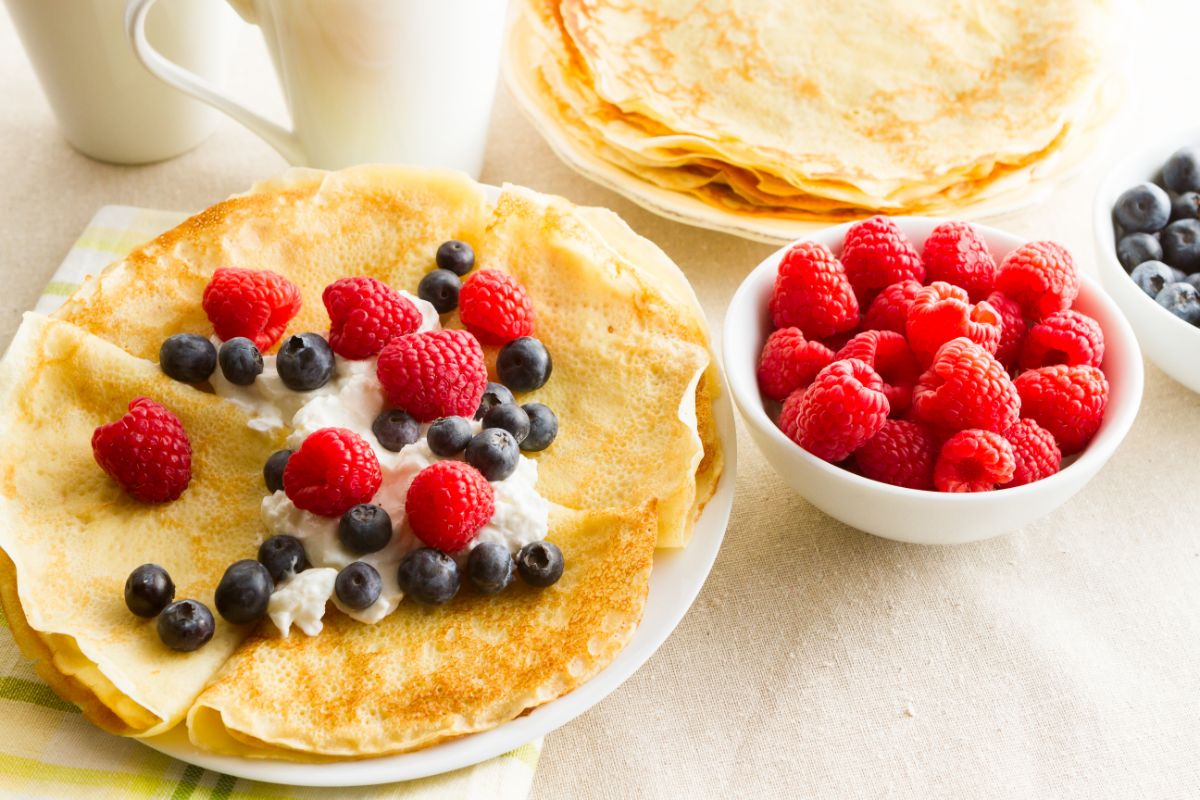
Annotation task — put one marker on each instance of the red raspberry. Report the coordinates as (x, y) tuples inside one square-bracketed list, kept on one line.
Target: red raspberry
[(1036, 453), (334, 470), (812, 293), (902, 454), (788, 362), (1065, 337), (433, 374), (974, 461), (888, 354), (889, 309), (941, 312), (447, 503), (956, 253), (876, 253), (494, 307), (365, 314), (1041, 276), (965, 387), (844, 407), (147, 451), (1067, 401), (255, 303), (1012, 329)]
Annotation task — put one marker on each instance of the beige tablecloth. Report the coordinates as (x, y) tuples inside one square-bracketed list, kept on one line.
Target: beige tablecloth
[(1060, 661)]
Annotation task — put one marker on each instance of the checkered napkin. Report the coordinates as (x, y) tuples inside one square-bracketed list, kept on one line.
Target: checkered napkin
[(47, 749)]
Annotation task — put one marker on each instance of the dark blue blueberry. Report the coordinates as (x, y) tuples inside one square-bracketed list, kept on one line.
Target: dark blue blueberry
[(244, 591), (490, 567), (283, 555), (1144, 207), (456, 256), (494, 452), (448, 436), (440, 288), (1181, 173), (186, 625), (273, 470), (509, 416), (305, 362), (493, 395), (1152, 276), (524, 364), (358, 585), (428, 576), (187, 357), (543, 427), (365, 528), (1182, 300), (394, 429), (540, 563), (1181, 245), (1136, 248), (148, 590), (1185, 206), (240, 361)]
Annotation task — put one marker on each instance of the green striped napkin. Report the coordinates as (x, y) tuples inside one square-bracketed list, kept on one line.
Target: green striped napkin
[(47, 749)]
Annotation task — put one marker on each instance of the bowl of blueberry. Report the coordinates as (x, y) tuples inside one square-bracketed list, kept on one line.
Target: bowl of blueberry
[(1147, 223)]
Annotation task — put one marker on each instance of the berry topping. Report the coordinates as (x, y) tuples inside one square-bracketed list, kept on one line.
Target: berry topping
[(187, 357), (440, 289), (1154, 276), (1012, 329), (365, 528), (434, 374), (889, 309), (365, 314), (494, 452), (240, 360), (148, 590), (493, 395), (394, 429), (257, 304), (1144, 207), (456, 256), (876, 254), (448, 436), (334, 470), (273, 470), (941, 312), (358, 585), (447, 503), (283, 555), (902, 454), (956, 253), (812, 293), (888, 354), (494, 307), (244, 591), (186, 625), (1034, 450), (1181, 245), (305, 362), (1138, 248), (965, 387), (1181, 173), (1182, 300), (788, 362), (543, 427), (428, 576), (1067, 401), (1041, 277), (974, 461), (146, 451), (524, 364), (1066, 337), (509, 416), (540, 563), (843, 408), (490, 567)]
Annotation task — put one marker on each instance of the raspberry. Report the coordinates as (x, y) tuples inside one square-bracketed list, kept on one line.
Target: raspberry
[(433, 374), (788, 362), (1065, 337), (812, 293), (447, 503), (941, 312), (889, 309), (494, 307), (1036, 453), (365, 314), (956, 253), (902, 454), (257, 304), (334, 470), (1041, 277), (888, 354), (1067, 401), (843, 408), (965, 387), (1012, 329), (876, 253), (147, 451), (974, 461)]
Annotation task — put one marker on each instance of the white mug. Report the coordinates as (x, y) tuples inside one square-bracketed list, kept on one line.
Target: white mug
[(386, 81), (106, 104)]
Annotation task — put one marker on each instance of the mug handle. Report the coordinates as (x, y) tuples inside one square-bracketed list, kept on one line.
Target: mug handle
[(282, 139)]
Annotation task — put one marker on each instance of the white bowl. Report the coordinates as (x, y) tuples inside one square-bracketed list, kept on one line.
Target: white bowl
[(1168, 341), (912, 515)]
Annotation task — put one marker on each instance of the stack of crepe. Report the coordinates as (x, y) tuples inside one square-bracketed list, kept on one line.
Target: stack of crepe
[(772, 116)]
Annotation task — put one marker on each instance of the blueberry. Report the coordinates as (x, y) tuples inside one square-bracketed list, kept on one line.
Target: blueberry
[(358, 585), (240, 361), (1144, 207), (1193, 280), (244, 591), (543, 427), (1181, 245), (1181, 173), (493, 451), (1136, 248), (456, 256), (524, 364), (305, 362), (428, 576), (1152, 276), (283, 555), (440, 288), (148, 590), (490, 567), (365, 528), (1185, 206), (448, 436), (509, 416), (187, 357), (394, 429), (540, 563), (186, 625), (493, 395), (273, 470), (1182, 300)]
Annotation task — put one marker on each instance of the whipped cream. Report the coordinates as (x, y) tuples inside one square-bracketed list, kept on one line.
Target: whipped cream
[(300, 601)]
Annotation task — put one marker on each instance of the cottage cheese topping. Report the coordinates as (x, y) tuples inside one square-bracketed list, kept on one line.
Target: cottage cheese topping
[(300, 601)]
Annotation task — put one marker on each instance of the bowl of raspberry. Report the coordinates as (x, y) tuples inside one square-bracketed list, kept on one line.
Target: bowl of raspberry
[(928, 380)]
